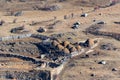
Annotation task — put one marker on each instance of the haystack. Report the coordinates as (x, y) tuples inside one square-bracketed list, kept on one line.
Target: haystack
[(65, 43), (65, 50), (73, 49), (54, 43), (59, 47)]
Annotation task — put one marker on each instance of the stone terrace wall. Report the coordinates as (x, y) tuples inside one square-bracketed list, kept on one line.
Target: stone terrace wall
[(14, 37), (94, 29)]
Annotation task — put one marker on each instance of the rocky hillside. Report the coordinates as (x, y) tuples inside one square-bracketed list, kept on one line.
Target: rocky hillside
[(32, 4)]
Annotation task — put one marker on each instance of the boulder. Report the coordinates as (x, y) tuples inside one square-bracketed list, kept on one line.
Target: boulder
[(41, 30), (2, 22), (76, 25), (89, 43), (114, 69), (100, 22), (54, 43), (102, 62), (73, 49), (84, 15)]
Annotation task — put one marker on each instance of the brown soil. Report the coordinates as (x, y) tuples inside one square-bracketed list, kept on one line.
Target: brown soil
[(84, 67)]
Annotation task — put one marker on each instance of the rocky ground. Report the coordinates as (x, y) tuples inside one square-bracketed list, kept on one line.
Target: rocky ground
[(54, 19)]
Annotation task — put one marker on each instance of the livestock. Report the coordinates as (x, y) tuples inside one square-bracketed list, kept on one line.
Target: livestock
[(54, 43)]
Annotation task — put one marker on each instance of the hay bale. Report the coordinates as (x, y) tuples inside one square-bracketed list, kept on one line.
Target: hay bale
[(58, 40), (78, 48), (65, 50), (59, 47), (73, 49), (54, 43), (69, 46), (65, 43), (89, 43)]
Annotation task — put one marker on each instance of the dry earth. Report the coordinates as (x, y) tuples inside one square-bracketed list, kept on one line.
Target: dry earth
[(79, 68)]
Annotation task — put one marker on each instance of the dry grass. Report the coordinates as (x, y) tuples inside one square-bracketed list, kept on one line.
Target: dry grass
[(81, 67)]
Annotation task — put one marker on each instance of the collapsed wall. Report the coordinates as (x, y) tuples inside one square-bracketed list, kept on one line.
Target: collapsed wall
[(95, 30)]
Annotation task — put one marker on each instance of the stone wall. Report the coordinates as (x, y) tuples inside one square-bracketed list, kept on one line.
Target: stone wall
[(14, 37)]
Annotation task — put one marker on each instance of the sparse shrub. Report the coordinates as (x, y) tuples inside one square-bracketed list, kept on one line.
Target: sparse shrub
[(65, 43)]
